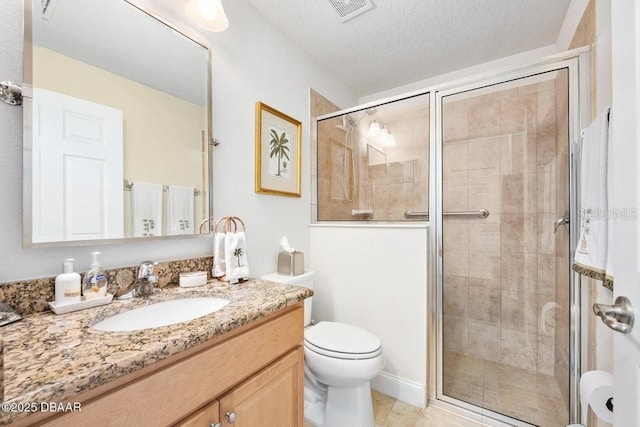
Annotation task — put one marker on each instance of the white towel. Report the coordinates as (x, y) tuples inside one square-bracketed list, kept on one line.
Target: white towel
[(219, 264), (235, 253), (146, 209), (591, 258), (180, 202)]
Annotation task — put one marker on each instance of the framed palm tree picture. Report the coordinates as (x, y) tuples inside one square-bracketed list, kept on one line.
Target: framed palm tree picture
[(278, 152)]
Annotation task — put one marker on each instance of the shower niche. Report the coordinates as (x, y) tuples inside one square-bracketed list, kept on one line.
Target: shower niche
[(373, 163)]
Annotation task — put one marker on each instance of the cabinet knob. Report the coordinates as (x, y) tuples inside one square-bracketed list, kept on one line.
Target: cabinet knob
[(231, 417)]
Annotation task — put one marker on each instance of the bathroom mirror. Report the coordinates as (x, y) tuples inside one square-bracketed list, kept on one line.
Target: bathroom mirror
[(116, 124)]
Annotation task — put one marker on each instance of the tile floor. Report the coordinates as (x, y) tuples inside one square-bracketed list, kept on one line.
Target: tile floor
[(390, 412), (518, 393)]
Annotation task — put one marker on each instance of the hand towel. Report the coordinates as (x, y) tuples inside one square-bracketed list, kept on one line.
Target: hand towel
[(594, 237), (235, 250), (146, 209), (219, 264), (180, 205)]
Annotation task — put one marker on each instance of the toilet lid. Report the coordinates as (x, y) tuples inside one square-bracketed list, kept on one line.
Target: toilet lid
[(342, 341)]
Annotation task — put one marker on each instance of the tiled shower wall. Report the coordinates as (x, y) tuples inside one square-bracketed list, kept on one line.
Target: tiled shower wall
[(499, 273), (337, 195), (321, 175), (389, 181), (402, 182)]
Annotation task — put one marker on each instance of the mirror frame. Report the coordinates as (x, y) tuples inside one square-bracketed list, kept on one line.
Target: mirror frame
[(27, 136)]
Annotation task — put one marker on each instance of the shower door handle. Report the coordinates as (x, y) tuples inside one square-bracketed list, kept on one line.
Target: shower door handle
[(618, 317), (560, 221)]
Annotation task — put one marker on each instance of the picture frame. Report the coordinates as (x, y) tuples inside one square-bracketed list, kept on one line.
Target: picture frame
[(278, 153)]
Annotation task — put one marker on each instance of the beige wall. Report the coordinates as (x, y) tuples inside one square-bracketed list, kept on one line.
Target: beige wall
[(163, 140)]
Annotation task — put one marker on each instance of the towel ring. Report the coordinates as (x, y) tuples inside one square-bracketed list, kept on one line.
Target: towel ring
[(229, 224), (203, 222)]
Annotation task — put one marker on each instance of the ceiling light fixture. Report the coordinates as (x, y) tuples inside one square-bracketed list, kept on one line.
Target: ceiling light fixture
[(207, 14), (381, 135), (386, 138), (374, 129)]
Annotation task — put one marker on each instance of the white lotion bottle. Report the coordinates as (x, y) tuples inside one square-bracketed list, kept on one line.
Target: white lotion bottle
[(68, 284)]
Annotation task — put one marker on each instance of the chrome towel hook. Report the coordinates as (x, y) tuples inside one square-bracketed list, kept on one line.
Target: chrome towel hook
[(10, 93)]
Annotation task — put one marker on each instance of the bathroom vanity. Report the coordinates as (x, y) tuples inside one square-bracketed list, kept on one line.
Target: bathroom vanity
[(242, 364)]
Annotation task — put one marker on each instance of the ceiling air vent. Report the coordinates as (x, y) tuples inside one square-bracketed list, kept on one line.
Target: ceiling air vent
[(349, 9)]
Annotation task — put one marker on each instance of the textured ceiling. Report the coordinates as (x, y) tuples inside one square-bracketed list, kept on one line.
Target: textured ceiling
[(402, 41), (396, 43), (119, 38)]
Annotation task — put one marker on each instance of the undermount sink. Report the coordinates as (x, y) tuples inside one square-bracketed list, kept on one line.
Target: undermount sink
[(161, 314)]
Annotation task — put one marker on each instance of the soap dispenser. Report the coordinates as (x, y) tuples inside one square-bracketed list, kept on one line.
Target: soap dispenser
[(68, 284), (94, 284)]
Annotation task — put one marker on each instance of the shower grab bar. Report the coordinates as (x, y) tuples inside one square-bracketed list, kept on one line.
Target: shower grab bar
[(482, 213)]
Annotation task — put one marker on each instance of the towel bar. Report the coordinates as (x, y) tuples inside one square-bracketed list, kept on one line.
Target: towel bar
[(482, 213), (128, 184)]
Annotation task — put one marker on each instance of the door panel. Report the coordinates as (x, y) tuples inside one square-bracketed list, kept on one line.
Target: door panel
[(625, 118), (205, 417), (505, 272), (76, 138), (272, 397)]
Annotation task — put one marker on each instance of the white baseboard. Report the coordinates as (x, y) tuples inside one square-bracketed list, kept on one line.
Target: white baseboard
[(400, 388)]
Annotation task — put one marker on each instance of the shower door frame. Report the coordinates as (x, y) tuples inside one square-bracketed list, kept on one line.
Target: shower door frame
[(577, 63)]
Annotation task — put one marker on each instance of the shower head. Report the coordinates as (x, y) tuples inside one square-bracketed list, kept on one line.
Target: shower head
[(347, 123)]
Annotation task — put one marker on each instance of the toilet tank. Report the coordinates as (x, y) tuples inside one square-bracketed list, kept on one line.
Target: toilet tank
[(304, 280)]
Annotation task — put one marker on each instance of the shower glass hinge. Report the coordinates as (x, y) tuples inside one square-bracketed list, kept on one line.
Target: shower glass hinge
[(213, 142), (10, 93)]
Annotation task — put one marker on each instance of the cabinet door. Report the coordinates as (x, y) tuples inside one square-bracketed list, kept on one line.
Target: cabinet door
[(272, 397), (209, 416)]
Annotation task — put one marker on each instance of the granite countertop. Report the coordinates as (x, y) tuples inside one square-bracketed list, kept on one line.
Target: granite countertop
[(54, 358)]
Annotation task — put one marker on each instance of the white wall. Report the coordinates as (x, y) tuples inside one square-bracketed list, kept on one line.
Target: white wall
[(252, 61), (256, 62), (376, 278)]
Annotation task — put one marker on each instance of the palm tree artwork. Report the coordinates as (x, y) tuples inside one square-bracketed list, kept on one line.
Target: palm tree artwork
[(238, 253), (279, 148)]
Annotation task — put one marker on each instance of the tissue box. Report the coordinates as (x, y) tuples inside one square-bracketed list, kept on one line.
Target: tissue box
[(291, 263)]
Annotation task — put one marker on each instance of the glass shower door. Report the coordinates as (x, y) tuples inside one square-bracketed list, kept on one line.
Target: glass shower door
[(505, 273)]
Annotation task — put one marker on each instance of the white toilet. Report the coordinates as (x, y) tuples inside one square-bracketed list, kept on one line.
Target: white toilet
[(340, 360)]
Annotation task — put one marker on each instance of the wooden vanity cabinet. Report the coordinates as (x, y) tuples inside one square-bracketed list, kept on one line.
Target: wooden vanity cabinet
[(254, 372), (272, 397), (209, 416)]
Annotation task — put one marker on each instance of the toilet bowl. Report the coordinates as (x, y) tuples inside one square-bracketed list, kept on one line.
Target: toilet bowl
[(340, 360), (343, 359)]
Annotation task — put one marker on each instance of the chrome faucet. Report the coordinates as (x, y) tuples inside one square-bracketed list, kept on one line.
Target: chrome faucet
[(146, 283)]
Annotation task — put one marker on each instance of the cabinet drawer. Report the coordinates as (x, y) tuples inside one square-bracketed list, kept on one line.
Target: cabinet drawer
[(168, 395)]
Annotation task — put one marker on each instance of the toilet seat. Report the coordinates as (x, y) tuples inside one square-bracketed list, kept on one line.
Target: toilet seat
[(342, 341)]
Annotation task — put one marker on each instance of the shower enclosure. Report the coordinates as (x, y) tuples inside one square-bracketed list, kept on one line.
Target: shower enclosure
[(505, 277), (504, 332)]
